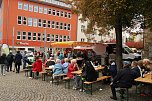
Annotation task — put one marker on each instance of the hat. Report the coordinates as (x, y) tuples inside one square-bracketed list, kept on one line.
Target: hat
[(126, 63)]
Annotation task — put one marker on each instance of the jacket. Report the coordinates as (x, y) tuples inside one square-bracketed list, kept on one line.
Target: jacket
[(57, 69), (136, 71), (124, 78), (71, 68), (65, 67), (37, 66), (18, 58)]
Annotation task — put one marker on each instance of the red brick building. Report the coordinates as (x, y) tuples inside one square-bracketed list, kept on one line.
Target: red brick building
[(34, 24)]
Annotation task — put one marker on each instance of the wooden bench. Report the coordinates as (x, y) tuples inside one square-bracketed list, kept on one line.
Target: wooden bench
[(26, 71), (44, 74), (57, 77), (98, 79), (67, 79)]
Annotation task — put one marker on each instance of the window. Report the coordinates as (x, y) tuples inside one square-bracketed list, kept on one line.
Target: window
[(53, 24), (61, 25), (49, 24), (18, 35), (24, 21), (45, 10), (19, 5), (40, 23), (69, 26), (39, 37), (40, 9), (58, 13), (54, 12), (26, 6), (48, 37), (43, 37), (57, 25), (65, 14), (69, 15), (35, 8), (82, 39), (49, 11), (24, 36), (34, 36), (62, 13), (82, 28), (29, 21), (65, 26), (31, 8), (68, 38), (60, 38), (35, 22), (19, 20), (52, 38), (44, 23), (29, 35), (56, 38), (64, 38)]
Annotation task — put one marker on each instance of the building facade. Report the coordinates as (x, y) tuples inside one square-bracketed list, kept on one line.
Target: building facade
[(33, 24)]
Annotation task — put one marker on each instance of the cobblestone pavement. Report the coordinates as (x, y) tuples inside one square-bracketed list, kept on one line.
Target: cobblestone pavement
[(17, 87)]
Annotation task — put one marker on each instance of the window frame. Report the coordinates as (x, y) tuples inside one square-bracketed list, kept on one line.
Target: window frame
[(36, 8), (54, 12), (18, 35), (19, 20), (52, 38), (45, 10), (48, 38), (38, 37), (57, 25), (49, 11), (53, 24), (39, 22), (34, 36), (30, 7), (20, 5), (58, 13), (24, 20), (25, 6), (69, 27), (23, 35), (29, 36), (60, 38), (49, 24), (56, 38), (30, 22), (35, 22), (40, 9), (44, 23)]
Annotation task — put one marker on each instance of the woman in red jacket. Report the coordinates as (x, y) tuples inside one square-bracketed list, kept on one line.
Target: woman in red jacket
[(36, 66)]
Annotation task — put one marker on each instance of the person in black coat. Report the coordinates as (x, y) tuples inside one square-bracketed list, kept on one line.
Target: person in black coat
[(18, 62), (138, 69), (3, 62), (123, 79), (10, 59)]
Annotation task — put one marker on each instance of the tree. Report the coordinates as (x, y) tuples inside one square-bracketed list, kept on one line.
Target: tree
[(117, 14)]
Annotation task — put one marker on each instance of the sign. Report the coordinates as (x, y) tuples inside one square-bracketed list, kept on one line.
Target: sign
[(22, 43)]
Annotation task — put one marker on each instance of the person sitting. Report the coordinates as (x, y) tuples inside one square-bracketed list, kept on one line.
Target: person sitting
[(36, 66), (134, 64), (49, 62), (57, 68), (123, 79), (89, 73), (138, 69), (65, 65), (71, 68)]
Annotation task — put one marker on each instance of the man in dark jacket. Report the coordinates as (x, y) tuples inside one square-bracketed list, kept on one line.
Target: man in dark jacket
[(123, 79), (10, 59), (138, 69), (18, 62)]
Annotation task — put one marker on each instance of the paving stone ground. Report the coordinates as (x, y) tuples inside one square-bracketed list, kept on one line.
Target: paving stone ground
[(17, 87)]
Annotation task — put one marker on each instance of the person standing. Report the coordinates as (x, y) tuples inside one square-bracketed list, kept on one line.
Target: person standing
[(25, 59), (18, 62), (10, 59), (3, 62)]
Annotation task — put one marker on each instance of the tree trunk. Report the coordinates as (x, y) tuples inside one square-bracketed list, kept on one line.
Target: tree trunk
[(118, 30)]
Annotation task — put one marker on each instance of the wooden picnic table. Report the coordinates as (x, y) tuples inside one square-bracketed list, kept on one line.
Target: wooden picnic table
[(146, 79), (80, 71)]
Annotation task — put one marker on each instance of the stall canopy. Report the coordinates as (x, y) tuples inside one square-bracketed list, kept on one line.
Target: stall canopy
[(70, 44)]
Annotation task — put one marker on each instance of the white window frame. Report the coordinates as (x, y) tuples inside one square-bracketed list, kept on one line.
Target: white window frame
[(23, 35), (54, 12), (30, 8), (65, 14), (69, 27), (52, 38), (34, 36), (34, 22), (36, 8), (44, 23), (49, 11), (29, 36), (65, 26), (62, 14), (39, 22), (49, 24), (19, 20), (64, 38), (25, 20), (68, 38), (53, 24), (40, 9), (58, 13), (69, 15), (25, 7), (29, 21), (61, 38), (57, 25), (45, 11), (18, 34), (61, 26), (38, 37), (48, 38), (56, 38), (20, 5), (43, 37)]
